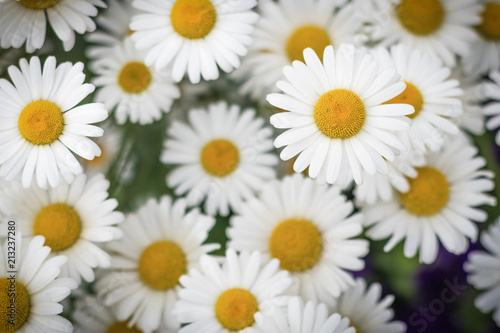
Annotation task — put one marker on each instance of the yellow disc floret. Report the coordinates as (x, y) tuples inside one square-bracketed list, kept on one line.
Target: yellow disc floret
[(219, 157), (59, 224), (490, 21), (41, 122), (193, 19), (339, 114), (235, 309), (161, 265), (421, 17), (122, 327), (14, 305), (39, 4), (135, 77), (296, 243), (307, 36), (411, 95), (428, 192)]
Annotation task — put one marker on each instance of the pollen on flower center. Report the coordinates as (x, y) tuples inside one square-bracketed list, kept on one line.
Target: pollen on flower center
[(428, 192), (219, 157), (39, 4), (490, 21), (21, 299), (122, 327), (41, 122), (306, 36), (411, 95), (296, 243), (134, 77), (421, 17), (161, 265), (193, 19), (235, 309), (59, 224), (339, 114)]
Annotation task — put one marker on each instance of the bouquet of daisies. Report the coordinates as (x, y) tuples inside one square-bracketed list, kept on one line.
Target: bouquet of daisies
[(259, 166)]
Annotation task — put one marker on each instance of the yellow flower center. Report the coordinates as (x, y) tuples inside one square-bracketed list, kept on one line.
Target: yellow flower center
[(14, 305), (296, 243), (421, 17), (490, 21), (161, 265), (59, 224), (121, 327), (220, 157), (339, 114), (38, 4), (411, 95), (235, 309), (193, 19), (41, 122), (134, 77), (428, 192), (307, 36)]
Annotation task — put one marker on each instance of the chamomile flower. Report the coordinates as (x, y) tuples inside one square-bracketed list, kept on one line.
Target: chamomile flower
[(38, 290), (26, 21), (134, 91), (195, 36), (430, 91), (223, 157), (285, 29), (72, 218), (444, 28), (40, 122), (337, 122), (440, 205), (225, 299), (486, 55), (92, 316), (300, 318), (492, 108), (381, 187), (367, 312), (112, 28), (160, 243), (483, 268), (308, 227)]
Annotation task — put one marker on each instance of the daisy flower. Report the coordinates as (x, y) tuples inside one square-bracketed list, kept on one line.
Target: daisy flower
[(160, 243), (492, 108), (483, 268), (308, 227), (366, 310), (380, 187), (37, 287), (300, 318), (40, 122), (72, 218), (195, 36), (440, 205), (486, 55), (222, 299), (112, 28), (347, 86), (444, 28), (92, 316), (285, 29), (25, 21), (223, 156), (431, 93), (472, 119), (133, 90)]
